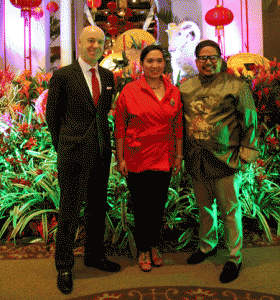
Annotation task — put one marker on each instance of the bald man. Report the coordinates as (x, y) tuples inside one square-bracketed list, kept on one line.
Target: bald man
[(79, 100)]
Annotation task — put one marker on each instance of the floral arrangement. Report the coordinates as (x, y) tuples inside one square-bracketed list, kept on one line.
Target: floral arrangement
[(28, 179)]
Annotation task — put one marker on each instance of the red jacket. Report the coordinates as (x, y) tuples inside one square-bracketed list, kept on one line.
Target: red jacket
[(148, 126)]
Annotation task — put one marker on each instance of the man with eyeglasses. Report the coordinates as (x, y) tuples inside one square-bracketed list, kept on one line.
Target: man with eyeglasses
[(220, 125)]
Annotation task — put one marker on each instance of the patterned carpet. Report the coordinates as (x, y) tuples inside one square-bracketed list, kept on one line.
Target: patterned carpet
[(180, 292), (191, 291)]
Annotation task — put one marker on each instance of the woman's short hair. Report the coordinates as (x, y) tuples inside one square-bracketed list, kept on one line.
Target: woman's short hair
[(148, 49), (207, 43)]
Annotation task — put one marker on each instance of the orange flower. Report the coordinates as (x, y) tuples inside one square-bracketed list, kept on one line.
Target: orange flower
[(48, 76), (31, 143), (39, 77), (18, 108), (24, 128), (40, 90)]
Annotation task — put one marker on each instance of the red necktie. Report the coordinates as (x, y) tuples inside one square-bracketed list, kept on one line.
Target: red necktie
[(95, 87)]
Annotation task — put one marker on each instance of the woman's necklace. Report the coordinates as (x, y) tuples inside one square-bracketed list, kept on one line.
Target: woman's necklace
[(156, 88)]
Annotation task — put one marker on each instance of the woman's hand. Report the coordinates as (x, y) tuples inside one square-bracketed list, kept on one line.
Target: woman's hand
[(123, 168), (177, 166)]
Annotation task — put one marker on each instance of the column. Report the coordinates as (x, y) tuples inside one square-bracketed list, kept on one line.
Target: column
[(79, 22), (2, 27), (47, 36), (65, 32)]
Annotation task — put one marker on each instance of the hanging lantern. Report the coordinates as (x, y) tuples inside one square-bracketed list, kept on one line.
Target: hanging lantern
[(37, 13), (113, 19), (128, 26), (128, 13), (219, 17), (112, 6), (94, 3), (25, 6), (113, 30), (52, 7)]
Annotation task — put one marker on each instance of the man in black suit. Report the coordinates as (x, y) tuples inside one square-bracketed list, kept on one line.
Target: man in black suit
[(77, 115)]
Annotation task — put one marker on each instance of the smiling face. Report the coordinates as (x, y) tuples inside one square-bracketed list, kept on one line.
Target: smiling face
[(91, 44), (208, 68), (153, 64)]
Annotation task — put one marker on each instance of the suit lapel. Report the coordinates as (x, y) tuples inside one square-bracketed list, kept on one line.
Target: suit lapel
[(81, 81)]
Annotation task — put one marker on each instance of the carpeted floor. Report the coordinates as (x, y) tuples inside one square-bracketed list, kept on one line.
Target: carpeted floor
[(28, 272)]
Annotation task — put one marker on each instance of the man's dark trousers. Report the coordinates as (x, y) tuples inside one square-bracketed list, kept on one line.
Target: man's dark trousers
[(82, 180)]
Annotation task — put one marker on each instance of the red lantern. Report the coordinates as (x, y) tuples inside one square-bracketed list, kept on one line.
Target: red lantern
[(113, 30), (128, 26), (128, 13), (52, 6), (94, 3), (219, 17), (113, 19), (37, 13), (26, 4), (112, 6)]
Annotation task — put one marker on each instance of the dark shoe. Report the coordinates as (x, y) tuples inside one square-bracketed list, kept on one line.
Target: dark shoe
[(198, 256), (230, 272), (65, 282), (103, 264)]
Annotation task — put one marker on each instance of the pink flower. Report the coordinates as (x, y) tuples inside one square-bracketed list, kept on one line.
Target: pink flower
[(263, 107), (40, 105), (5, 118), (278, 103)]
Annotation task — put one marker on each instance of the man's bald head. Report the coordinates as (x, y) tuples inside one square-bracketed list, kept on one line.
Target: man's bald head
[(91, 42)]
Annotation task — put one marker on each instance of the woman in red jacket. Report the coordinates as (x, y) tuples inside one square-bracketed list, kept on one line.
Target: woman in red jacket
[(149, 135)]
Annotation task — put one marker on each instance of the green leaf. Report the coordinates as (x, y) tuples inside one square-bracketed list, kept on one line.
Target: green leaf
[(38, 178), (132, 244)]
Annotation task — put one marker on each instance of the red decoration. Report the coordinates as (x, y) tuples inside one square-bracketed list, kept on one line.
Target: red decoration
[(37, 13), (128, 13), (113, 30), (94, 3), (52, 6), (112, 6), (219, 16), (113, 19), (128, 26), (25, 6)]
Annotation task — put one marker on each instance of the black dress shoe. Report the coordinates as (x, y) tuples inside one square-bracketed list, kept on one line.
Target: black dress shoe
[(65, 282), (102, 264), (198, 256), (230, 272)]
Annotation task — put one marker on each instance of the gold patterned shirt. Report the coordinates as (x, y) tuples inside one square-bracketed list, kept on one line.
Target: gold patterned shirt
[(220, 115)]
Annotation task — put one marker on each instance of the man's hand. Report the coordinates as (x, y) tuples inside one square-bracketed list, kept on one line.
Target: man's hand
[(177, 166), (123, 168)]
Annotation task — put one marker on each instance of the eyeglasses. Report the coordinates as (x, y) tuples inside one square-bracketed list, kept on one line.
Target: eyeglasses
[(213, 58)]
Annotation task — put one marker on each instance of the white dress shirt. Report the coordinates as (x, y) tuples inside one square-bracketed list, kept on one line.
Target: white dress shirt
[(88, 75)]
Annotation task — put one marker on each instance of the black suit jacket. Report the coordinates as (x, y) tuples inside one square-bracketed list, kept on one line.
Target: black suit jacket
[(72, 117)]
